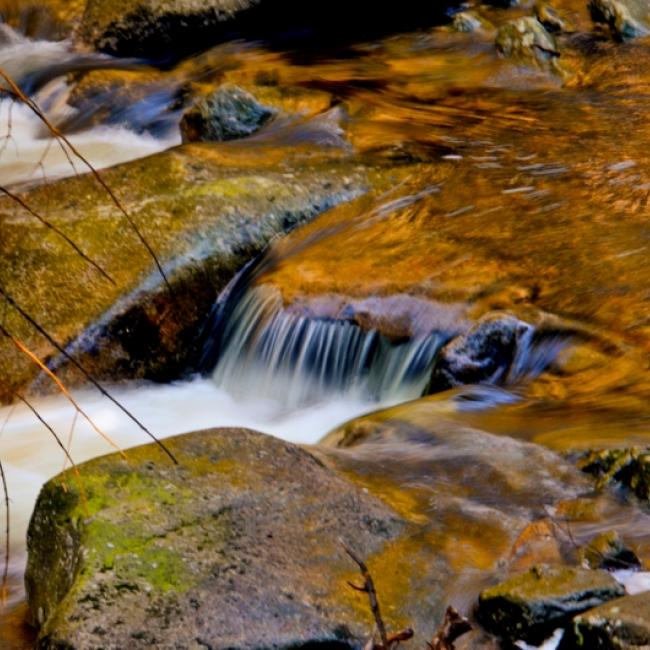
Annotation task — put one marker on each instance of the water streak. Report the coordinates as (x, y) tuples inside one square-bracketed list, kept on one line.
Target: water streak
[(271, 352)]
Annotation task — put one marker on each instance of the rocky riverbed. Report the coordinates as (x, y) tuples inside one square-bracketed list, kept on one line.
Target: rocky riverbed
[(437, 210)]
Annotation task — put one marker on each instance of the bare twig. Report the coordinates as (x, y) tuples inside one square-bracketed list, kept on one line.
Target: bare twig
[(453, 627), (388, 641), (86, 373), (5, 573), (60, 385)]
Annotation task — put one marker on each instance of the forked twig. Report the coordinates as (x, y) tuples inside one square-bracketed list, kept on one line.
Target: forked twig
[(453, 626), (388, 641)]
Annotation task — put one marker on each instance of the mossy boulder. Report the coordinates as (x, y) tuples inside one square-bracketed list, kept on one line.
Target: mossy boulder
[(530, 606), (205, 211), (228, 113), (240, 542), (622, 624)]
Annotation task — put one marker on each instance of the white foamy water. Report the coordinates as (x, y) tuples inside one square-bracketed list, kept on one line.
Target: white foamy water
[(28, 153), (31, 456)]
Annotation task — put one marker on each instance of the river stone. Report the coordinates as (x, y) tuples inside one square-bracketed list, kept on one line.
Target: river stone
[(466, 21), (608, 551), (623, 624), (532, 605), (237, 544), (623, 17), (526, 41), (483, 355), (227, 113)]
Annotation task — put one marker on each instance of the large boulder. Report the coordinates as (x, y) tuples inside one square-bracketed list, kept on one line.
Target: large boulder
[(204, 211), (623, 624), (167, 29), (238, 543)]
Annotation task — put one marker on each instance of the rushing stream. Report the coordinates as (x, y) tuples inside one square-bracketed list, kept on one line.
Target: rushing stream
[(539, 197)]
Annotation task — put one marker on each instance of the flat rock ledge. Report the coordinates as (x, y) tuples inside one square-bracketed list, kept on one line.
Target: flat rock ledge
[(237, 546)]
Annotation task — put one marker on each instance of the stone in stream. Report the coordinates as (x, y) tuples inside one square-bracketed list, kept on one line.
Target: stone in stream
[(227, 113), (627, 467), (526, 41), (549, 17), (466, 21), (608, 551), (623, 17), (622, 624), (238, 544), (532, 605), (485, 354)]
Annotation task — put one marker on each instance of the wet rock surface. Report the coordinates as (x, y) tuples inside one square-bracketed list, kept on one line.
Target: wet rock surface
[(228, 113), (526, 40), (608, 551), (622, 624), (623, 17), (239, 542), (204, 212), (532, 605), (484, 355)]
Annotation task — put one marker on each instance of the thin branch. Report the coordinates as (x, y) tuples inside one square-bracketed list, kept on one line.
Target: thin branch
[(61, 386), (369, 588), (56, 132), (51, 226), (5, 573), (85, 372), (453, 626), (39, 417)]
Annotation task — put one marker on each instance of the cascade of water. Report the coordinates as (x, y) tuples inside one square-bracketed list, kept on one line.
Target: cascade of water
[(270, 352)]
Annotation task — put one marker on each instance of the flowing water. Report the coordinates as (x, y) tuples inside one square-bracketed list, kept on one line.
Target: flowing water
[(538, 195)]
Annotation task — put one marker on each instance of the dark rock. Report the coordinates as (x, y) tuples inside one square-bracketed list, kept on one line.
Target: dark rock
[(623, 624), (526, 41), (532, 605), (238, 543), (228, 113), (549, 17), (169, 29), (627, 467), (624, 18), (607, 551), (484, 355)]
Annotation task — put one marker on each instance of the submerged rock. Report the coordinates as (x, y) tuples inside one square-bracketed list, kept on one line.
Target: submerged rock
[(227, 113), (484, 355), (532, 605), (466, 21), (621, 16), (623, 624), (549, 17), (526, 41), (627, 467), (607, 551), (238, 543)]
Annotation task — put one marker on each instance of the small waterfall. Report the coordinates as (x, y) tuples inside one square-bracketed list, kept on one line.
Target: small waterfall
[(269, 352)]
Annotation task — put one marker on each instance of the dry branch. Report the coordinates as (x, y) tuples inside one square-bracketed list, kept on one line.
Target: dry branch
[(32, 321), (388, 641), (453, 627)]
